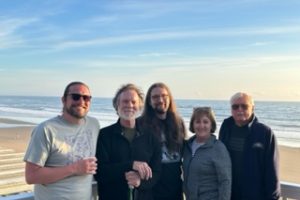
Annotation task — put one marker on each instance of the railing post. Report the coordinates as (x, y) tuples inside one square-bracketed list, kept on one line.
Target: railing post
[(94, 190)]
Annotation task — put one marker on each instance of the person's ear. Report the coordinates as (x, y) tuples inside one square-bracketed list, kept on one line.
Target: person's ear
[(63, 99)]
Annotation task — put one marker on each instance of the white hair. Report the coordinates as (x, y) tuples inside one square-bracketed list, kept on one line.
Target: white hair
[(241, 95)]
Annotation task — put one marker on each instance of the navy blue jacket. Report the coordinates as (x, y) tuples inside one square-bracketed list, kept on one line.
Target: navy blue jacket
[(115, 157), (260, 160)]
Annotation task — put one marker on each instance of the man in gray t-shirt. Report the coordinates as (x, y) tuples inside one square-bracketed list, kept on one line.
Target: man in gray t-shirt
[(60, 156)]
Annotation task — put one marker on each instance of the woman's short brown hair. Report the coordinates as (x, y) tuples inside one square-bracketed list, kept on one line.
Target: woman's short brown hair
[(203, 111)]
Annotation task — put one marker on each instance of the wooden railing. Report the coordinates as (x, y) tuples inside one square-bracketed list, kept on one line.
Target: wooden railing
[(288, 191)]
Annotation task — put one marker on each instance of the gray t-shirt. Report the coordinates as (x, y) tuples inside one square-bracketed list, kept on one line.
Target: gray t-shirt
[(57, 142)]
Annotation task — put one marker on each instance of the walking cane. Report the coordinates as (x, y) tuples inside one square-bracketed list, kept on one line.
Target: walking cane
[(131, 188)]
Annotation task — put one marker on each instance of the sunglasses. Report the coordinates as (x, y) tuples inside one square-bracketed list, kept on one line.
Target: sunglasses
[(237, 106), (76, 97)]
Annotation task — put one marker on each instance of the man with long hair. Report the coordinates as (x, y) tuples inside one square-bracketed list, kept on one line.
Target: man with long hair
[(160, 118)]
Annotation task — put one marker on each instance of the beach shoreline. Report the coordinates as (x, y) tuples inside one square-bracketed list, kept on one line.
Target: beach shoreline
[(17, 138)]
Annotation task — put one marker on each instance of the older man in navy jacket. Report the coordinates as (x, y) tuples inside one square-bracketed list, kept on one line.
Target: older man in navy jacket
[(253, 151)]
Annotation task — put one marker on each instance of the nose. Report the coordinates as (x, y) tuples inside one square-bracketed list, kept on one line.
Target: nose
[(129, 103), (240, 108), (160, 98)]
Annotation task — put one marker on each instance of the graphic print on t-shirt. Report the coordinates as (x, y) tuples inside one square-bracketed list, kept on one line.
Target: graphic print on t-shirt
[(81, 146)]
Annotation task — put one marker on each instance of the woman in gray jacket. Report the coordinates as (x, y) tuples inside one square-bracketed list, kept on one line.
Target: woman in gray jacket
[(206, 161)]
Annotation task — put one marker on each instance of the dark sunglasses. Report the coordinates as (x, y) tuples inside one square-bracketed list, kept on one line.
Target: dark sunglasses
[(237, 106), (76, 97)]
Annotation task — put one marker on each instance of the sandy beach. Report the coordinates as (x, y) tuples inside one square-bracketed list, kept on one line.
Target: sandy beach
[(17, 138)]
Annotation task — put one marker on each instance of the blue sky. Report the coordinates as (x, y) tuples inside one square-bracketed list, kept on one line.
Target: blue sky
[(202, 49)]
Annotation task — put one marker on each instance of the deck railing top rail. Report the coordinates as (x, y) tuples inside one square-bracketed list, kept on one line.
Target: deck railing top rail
[(290, 190)]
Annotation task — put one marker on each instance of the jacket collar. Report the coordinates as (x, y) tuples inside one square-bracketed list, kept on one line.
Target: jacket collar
[(211, 140), (119, 130), (253, 120)]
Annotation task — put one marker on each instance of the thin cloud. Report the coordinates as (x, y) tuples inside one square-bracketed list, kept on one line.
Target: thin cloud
[(261, 43), (158, 8), (157, 54), (172, 35), (9, 35), (11, 25), (103, 19), (185, 64)]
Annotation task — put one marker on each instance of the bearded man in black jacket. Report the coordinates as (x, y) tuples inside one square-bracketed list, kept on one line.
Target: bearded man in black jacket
[(128, 158)]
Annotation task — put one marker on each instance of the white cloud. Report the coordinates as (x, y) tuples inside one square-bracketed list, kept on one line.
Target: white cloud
[(9, 35), (157, 54), (261, 43), (172, 35), (11, 25), (103, 19), (190, 64)]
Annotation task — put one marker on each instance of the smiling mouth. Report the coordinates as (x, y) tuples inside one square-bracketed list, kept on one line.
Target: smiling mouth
[(80, 107)]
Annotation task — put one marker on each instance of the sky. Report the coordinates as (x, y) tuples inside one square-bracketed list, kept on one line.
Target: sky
[(202, 49)]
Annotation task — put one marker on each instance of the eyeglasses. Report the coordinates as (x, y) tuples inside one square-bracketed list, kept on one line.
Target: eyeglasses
[(156, 97), (76, 97), (237, 106)]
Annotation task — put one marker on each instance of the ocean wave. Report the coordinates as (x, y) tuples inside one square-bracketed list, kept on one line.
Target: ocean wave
[(2, 125), (30, 112)]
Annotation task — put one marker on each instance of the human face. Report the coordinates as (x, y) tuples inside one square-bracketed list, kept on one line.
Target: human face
[(160, 100), (77, 108), (202, 128), (241, 110), (128, 105)]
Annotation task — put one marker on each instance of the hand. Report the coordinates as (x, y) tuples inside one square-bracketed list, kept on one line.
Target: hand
[(133, 179), (143, 169), (85, 166)]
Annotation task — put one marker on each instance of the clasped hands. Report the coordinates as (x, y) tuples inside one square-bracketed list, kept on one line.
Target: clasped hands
[(141, 171)]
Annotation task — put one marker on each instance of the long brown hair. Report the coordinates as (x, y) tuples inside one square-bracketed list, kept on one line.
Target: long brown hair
[(175, 129)]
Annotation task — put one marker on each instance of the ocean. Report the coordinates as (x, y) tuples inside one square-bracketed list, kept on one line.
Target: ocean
[(282, 117)]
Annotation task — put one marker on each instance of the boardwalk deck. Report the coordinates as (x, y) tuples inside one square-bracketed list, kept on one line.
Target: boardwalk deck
[(12, 173)]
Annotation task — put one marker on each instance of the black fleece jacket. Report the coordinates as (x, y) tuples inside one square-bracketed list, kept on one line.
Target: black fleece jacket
[(260, 179), (115, 157)]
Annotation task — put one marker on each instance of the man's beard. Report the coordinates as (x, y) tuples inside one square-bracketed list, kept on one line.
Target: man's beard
[(74, 113), (159, 110), (131, 116)]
